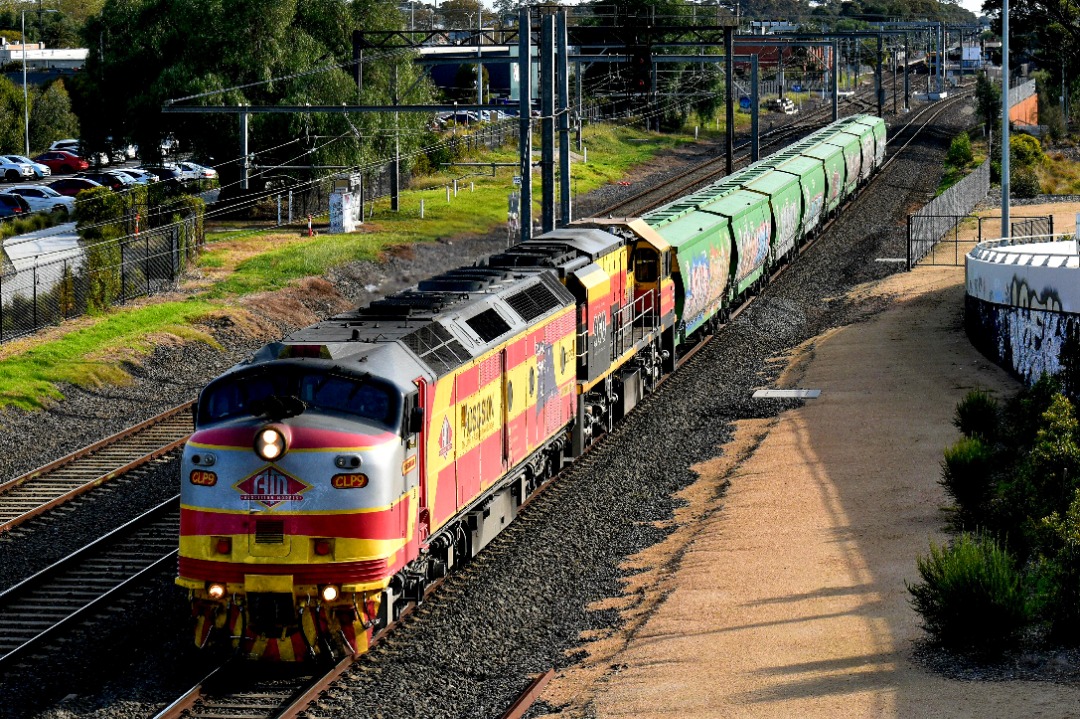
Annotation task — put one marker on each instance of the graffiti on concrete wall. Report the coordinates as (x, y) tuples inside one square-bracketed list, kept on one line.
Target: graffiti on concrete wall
[(1024, 340)]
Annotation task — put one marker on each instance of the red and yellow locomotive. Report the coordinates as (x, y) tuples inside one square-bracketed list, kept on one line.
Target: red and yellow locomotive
[(336, 474)]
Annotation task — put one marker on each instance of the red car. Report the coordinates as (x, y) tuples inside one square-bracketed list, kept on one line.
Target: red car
[(62, 161), (72, 186)]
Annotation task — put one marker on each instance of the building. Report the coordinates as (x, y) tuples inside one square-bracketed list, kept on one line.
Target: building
[(39, 58)]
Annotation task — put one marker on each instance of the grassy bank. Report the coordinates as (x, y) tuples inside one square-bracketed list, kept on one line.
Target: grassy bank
[(240, 263)]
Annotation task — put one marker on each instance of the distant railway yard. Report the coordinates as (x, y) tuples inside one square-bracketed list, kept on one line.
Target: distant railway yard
[(529, 600)]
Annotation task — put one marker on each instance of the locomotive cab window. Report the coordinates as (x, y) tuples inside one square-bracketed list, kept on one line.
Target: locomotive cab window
[(287, 393), (646, 265)]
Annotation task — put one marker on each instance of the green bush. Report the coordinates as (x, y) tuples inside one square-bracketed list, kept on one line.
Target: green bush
[(1025, 151), (971, 598), (1024, 413), (959, 154), (967, 476), (977, 415), (1057, 575), (1025, 183), (1054, 462)]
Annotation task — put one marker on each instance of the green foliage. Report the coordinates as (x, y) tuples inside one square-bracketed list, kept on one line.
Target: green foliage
[(987, 100), (977, 415), (967, 476), (1024, 413), (1025, 183), (1069, 361), (51, 117), (1025, 151), (960, 150), (1054, 120), (280, 51), (1054, 461), (971, 598), (1057, 574)]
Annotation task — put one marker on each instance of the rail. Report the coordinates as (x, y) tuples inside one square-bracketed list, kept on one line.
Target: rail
[(40, 606), (47, 487)]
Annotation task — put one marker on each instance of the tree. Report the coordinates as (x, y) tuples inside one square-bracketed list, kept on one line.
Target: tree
[(987, 99), (257, 52), (51, 117), (460, 14), (11, 116)]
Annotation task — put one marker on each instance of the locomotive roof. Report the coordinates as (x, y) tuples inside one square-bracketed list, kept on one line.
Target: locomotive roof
[(444, 321), (563, 250)]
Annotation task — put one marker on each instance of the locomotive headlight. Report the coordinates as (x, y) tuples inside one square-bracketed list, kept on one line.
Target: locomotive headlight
[(329, 593), (216, 591), (270, 444)]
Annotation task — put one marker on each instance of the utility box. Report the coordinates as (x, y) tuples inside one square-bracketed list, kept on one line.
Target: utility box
[(346, 202)]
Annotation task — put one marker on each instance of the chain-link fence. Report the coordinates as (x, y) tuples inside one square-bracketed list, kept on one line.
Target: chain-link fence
[(60, 285), (939, 217)]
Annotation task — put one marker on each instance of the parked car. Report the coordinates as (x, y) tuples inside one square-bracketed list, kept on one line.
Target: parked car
[(120, 151), (169, 174), (62, 161), (141, 176), (43, 199), (13, 206), (195, 171), (64, 144), (110, 179), (40, 170), (15, 171), (72, 186)]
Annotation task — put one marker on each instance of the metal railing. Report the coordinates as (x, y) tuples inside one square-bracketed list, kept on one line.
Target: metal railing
[(1008, 251), (52, 289), (956, 225), (928, 225), (629, 324)]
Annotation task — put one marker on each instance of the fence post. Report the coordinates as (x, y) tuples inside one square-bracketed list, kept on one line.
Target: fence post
[(279, 210), (290, 206), (909, 243), (174, 247), (1, 308), (146, 265), (35, 293), (123, 274)]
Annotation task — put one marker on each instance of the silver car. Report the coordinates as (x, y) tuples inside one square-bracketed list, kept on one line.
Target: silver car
[(42, 198)]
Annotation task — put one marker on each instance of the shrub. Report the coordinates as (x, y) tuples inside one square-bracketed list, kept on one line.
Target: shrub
[(977, 415), (1057, 575), (960, 151), (967, 476), (1069, 361), (1025, 183), (1025, 151), (1054, 119), (1054, 462), (971, 598)]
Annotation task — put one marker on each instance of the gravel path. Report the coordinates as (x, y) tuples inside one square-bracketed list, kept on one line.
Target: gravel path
[(524, 613)]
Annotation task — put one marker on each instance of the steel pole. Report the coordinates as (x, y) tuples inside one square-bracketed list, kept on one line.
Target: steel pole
[(26, 99), (754, 102), (729, 93), (563, 79), (525, 119), (879, 89), (547, 122), (907, 63), (1005, 226), (835, 83), (244, 164)]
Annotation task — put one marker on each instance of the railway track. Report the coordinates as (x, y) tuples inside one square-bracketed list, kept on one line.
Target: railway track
[(47, 487), (38, 608)]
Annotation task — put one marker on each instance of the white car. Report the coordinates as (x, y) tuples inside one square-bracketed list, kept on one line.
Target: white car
[(42, 198), (15, 171), (64, 144), (40, 170), (195, 171), (141, 176)]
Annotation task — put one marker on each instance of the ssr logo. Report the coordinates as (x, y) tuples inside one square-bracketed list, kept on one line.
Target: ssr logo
[(477, 417)]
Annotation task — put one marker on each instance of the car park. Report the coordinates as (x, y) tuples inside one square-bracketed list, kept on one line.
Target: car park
[(72, 146), (41, 198), (72, 186), (40, 170), (13, 206), (62, 161), (15, 171)]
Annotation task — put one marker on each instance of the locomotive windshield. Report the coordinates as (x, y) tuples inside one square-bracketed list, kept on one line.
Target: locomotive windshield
[(290, 391)]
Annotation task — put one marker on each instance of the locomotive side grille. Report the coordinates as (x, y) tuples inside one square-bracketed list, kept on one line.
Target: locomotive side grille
[(533, 301), (436, 346), (489, 325), (269, 531)]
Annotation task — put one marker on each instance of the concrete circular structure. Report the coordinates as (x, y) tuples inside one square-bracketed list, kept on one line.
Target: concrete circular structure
[(1023, 301)]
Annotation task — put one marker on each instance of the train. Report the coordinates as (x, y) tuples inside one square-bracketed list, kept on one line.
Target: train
[(338, 473)]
